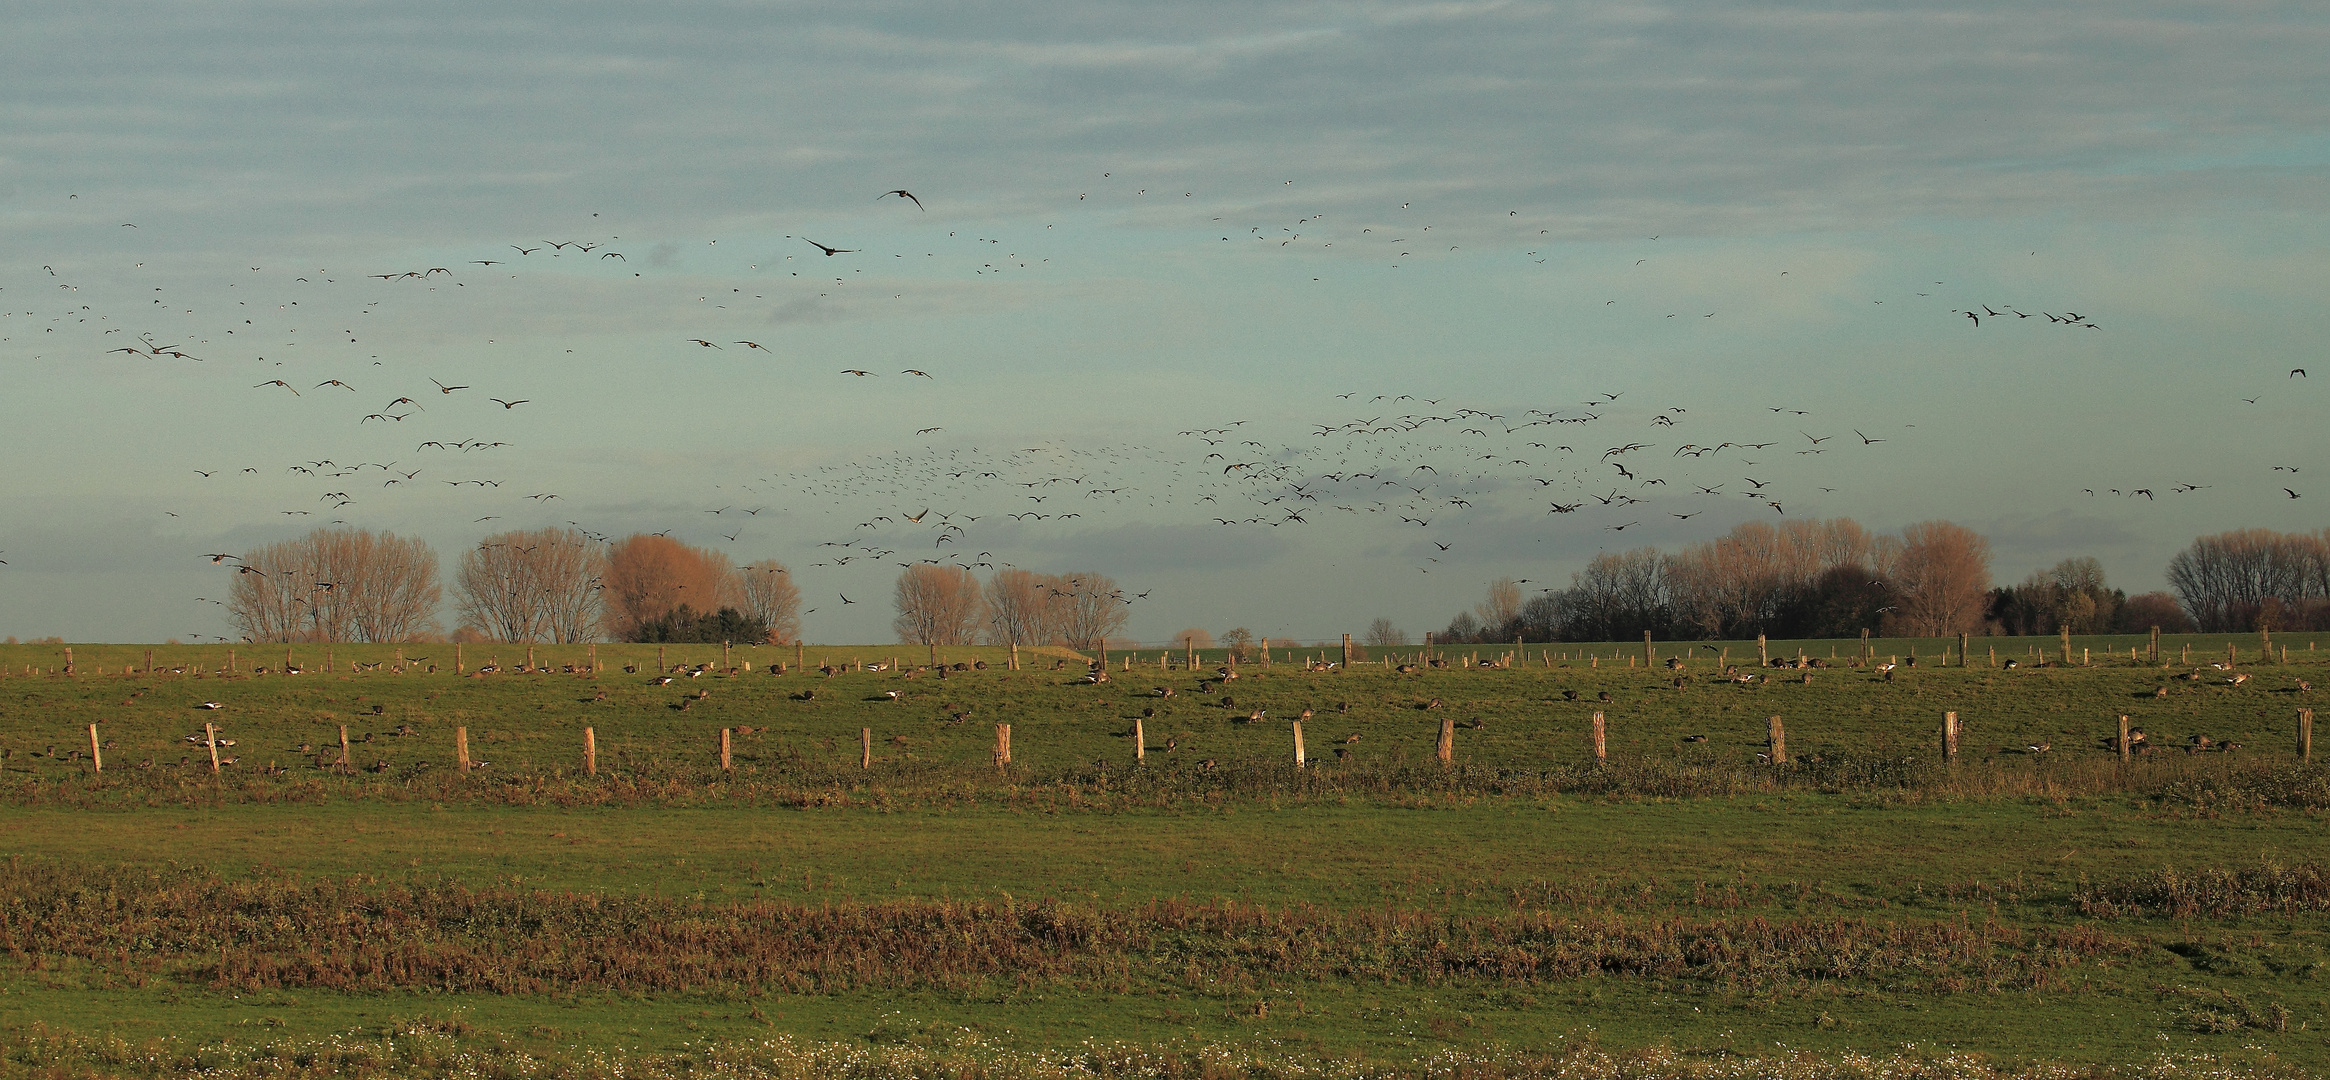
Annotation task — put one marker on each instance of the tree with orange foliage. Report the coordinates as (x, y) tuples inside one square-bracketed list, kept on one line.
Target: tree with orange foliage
[(650, 577)]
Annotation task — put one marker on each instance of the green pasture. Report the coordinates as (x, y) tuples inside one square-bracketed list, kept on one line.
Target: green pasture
[(1865, 834)]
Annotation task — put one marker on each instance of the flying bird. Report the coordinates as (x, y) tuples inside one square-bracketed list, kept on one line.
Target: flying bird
[(901, 193), (509, 404), (832, 251), (278, 382)]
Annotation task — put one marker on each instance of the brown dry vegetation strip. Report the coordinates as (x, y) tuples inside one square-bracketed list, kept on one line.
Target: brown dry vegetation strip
[(2212, 785), (2268, 888), (360, 935)]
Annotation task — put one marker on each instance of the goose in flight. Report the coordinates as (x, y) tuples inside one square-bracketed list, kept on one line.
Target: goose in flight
[(901, 193), (831, 251), (281, 383)]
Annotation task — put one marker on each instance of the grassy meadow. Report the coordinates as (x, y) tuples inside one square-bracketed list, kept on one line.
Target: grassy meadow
[(1199, 907)]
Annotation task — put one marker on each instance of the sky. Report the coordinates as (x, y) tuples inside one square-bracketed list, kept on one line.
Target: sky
[(1424, 273)]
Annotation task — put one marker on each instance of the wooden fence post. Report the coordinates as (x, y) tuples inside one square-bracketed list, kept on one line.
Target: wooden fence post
[(1346, 650), (457, 666), (2154, 653), (1601, 740), (1447, 748), (1014, 656), (2126, 751), (1763, 652), (210, 739), (149, 662), (1865, 643), (2305, 734), (1002, 746), (1298, 744), (1949, 737), (1961, 650), (865, 748), (461, 747), (797, 655), (594, 659), (346, 766), (660, 669), (590, 752), (1649, 653), (230, 661), (96, 751), (1427, 648), (2232, 654), (724, 646), (68, 661), (725, 764), (1779, 742), (1140, 741)]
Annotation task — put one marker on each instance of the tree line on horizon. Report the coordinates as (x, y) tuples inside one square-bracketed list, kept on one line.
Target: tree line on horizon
[(1834, 578), (1800, 579)]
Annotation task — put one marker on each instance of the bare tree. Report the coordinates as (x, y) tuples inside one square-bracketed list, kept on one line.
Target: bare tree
[(1501, 610), (2227, 580), (1240, 642), (1091, 608), (532, 586), (765, 591), (1941, 579), (336, 585), (937, 605), (649, 577), (1381, 632), (1021, 608)]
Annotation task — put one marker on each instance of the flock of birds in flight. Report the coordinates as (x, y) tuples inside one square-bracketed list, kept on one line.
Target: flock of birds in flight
[(1454, 472)]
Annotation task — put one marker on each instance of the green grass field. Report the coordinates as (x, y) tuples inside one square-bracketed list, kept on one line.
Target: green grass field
[(1205, 909)]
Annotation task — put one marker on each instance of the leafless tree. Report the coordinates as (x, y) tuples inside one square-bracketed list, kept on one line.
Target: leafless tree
[(937, 605), (1742, 582), (336, 585), (1381, 632), (1091, 608), (649, 577), (1941, 579), (541, 585), (765, 591), (1240, 642), (1021, 608), (1502, 608), (2227, 581)]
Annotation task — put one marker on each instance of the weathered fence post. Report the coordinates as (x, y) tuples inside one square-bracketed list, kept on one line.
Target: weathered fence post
[(149, 661), (725, 763), (2232, 654), (1014, 656), (1002, 746), (1140, 741), (1763, 652), (1949, 737), (2305, 734), (1601, 740), (2264, 645), (594, 659), (1298, 744), (590, 752), (230, 661), (660, 669), (1447, 748), (346, 765), (1865, 643), (96, 755), (1650, 653), (865, 748), (1427, 648), (1779, 742), (210, 739), (1346, 650), (68, 661), (461, 747), (797, 655), (457, 668), (1961, 650), (2126, 751), (2153, 654)]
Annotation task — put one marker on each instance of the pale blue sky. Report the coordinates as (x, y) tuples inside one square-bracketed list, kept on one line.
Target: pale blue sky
[(1141, 220)]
